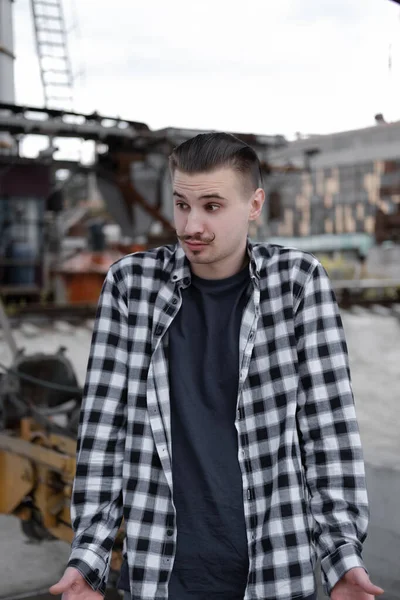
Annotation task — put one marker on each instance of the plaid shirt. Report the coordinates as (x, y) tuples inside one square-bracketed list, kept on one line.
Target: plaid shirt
[(299, 447)]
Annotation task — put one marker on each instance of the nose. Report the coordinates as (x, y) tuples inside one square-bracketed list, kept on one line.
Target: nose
[(193, 225)]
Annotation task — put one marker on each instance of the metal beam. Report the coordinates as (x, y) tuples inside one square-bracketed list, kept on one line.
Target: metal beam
[(129, 135)]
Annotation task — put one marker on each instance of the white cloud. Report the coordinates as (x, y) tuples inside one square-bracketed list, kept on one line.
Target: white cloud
[(260, 66)]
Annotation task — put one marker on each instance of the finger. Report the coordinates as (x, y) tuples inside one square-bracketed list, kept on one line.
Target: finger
[(58, 588), (61, 586), (363, 581), (372, 589)]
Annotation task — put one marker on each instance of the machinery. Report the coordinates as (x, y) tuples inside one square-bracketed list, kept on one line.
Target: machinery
[(39, 414)]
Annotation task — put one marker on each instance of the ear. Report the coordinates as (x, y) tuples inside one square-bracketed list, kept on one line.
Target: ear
[(257, 202)]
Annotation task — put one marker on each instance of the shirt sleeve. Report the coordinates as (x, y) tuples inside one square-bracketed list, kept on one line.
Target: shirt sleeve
[(96, 503), (329, 436)]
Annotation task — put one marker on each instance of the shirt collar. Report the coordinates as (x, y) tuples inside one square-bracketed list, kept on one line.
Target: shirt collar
[(255, 261), (181, 272)]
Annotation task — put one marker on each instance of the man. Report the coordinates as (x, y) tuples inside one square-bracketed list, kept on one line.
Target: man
[(218, 416)]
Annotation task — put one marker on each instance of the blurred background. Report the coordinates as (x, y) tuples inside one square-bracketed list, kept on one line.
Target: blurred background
[(93, 97)]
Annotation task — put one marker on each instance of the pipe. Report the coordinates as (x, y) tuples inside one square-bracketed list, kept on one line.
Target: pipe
[(7, 84)]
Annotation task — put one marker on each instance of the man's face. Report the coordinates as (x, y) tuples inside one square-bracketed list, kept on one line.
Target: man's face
[(212, 212)]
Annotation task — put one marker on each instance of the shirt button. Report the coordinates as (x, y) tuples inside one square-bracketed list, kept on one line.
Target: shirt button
[(251, 336), (159, 330), (186, 281), (175, 301), (170, 532)]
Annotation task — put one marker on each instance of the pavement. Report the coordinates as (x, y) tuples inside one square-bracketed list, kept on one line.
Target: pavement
[(27, 567), (373, 338)]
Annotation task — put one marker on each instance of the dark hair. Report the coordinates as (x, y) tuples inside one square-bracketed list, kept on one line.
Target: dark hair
[(209, 151)]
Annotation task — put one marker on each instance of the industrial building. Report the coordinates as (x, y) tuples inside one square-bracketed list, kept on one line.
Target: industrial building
[(347, 185)]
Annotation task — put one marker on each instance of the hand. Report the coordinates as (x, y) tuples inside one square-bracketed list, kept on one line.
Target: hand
[(355, 585), (73, 586)]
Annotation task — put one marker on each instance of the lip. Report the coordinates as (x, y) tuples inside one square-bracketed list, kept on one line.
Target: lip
[(195, 244)]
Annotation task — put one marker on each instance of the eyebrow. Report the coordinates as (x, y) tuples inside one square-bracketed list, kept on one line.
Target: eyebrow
[(211, 196)]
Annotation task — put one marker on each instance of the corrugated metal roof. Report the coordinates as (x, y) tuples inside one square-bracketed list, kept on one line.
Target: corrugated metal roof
[(379, 142)]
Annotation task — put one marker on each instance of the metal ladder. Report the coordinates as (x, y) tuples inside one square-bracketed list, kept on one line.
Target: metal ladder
[(52, 50)]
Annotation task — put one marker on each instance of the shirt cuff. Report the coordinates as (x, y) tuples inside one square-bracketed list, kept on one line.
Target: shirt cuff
[(335, 566), (91, 566)]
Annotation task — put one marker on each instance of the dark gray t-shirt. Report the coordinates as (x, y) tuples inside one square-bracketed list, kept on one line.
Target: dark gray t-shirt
[(212, 556)]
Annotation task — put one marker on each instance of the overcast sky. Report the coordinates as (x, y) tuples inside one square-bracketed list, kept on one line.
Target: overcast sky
[(265, 66)]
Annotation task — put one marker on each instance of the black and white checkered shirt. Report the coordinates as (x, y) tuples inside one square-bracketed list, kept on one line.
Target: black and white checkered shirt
[(299, 445)]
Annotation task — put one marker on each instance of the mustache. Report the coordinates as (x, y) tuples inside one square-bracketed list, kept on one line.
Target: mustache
[(195, 238)]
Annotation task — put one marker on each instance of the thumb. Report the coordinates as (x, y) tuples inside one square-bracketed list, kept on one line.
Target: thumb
[(360, 578), (67, 580)]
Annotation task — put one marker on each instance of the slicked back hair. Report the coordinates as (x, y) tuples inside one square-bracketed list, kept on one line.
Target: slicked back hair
[(207, 152)]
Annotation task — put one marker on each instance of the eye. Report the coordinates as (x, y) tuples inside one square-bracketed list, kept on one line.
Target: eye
[(181, 205), (212, 207)]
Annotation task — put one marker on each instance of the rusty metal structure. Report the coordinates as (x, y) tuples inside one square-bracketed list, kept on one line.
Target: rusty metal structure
[(131, 170)]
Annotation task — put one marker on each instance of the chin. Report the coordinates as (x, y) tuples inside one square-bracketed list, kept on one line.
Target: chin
[(197, 259)]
